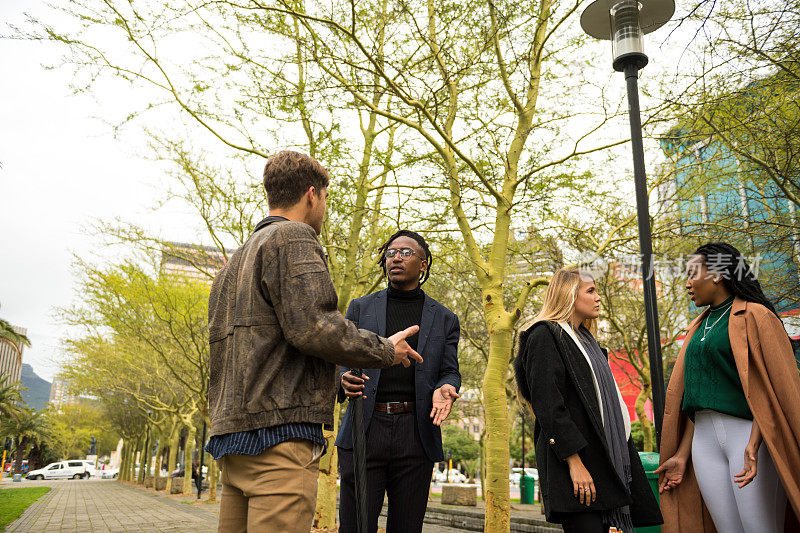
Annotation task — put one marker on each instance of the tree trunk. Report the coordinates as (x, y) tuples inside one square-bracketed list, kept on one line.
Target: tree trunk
[(647, 426), (126, 473), (22, 443), (143, 466), (134, 450), (157, 466), (212, 479), (325, 514), (482, 466), (497, 495), (188, 448), (123, 462), (174, 442)]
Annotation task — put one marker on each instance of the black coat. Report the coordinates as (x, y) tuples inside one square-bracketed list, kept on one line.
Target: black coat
[(553, 375)]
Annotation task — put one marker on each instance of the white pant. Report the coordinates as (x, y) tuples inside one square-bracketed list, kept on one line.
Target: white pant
[(717, 455)]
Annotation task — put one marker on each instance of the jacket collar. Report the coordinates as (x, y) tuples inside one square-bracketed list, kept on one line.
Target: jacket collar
[(267, 221), (739, 306)]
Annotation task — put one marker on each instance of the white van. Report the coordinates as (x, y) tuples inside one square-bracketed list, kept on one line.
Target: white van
[(75, 469)]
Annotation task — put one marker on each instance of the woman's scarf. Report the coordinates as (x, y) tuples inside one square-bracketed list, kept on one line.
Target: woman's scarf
[(613, 426)]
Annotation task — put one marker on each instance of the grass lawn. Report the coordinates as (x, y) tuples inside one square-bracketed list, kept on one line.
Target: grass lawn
[(14, 501)]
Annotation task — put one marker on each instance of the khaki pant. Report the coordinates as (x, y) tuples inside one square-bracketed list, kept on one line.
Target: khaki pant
[(272, 492)]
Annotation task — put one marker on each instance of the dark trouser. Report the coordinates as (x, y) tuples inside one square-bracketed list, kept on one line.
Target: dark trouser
[(589, 522), (396, 465)]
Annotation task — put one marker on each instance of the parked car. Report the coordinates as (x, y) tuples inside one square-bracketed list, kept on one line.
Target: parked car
[(455, 477), (90, 469), (75, 469), (109, 473), (516, 475)]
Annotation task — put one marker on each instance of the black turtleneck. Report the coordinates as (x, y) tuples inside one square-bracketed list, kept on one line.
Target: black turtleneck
[(403, 310)]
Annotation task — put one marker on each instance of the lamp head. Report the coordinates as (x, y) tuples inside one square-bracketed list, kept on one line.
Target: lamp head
[(624, 22)]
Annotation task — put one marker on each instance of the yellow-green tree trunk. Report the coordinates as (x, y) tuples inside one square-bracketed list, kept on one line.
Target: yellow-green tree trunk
[(123, 460), (647, 426), (134, 451), (174, 442), (213, 472), (497, 495), (143, 466), (188, 448), (325, 513), (157, 466)]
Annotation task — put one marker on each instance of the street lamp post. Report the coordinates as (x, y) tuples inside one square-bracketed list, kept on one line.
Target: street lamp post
[(624, 22)]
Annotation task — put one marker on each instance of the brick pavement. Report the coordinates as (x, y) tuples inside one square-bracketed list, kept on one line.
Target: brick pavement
[(107, 506)]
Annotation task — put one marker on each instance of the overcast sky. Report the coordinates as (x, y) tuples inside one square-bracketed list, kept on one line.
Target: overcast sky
[(61, 168)]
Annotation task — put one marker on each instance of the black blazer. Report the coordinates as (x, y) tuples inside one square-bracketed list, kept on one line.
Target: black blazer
[(437, 344), (554, 376)]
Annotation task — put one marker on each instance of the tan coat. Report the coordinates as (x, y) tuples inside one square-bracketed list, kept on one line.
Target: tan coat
[(770, 379)]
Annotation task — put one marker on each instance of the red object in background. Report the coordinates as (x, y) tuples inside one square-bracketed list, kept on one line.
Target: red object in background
[(629, 385), (10, 464)]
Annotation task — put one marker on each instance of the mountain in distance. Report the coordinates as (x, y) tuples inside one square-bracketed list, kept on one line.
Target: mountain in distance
[(38, 393)]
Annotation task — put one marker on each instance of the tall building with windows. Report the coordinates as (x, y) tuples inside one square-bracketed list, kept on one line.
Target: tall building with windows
[(11, 357), (718, 198), (192, 261), (60, 395)]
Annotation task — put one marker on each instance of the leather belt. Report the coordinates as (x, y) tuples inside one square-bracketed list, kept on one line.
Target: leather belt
[(393, 408)]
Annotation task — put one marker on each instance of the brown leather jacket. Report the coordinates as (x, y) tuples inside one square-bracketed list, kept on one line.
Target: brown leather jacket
[(276, 334)]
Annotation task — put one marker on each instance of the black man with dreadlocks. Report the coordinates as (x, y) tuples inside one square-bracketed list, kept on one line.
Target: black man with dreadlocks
[(403, 408), (730, 443)]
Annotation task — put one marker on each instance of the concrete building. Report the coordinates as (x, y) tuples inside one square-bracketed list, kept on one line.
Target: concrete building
[(60, 395), (469, 413), (192, 261), (11, 358)]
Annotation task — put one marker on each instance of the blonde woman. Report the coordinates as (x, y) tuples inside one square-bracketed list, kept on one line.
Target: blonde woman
[(590, 473)]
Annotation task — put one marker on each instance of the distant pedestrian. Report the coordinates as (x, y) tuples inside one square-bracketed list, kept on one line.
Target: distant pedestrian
[(403, 407), (730, 444), (276, 337), (589, 470)]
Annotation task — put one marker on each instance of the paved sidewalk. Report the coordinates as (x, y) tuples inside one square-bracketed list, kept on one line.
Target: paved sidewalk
[(107, 506)]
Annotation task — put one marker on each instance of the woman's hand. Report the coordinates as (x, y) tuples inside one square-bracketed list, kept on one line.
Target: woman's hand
[(750, 469), (582, 483), (670, 474)]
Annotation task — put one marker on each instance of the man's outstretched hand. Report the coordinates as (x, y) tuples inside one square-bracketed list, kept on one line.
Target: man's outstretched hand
[(402, 351), (443, 399)]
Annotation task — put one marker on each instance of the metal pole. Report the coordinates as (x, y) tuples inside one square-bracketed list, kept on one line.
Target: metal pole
[(199, 481), (522, 476), (360, 460), (646, 245), (523, 443)]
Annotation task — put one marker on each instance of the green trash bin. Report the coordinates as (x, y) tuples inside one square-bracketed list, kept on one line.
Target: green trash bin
[(527, 489), (650, 463)]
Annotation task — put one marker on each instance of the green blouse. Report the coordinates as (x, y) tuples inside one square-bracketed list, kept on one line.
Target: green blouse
[(710, 379)]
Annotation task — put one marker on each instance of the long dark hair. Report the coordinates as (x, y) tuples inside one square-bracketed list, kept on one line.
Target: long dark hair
[(737, 276), (420, 240)]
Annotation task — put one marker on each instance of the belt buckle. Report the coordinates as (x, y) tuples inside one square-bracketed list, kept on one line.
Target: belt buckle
[(390, 408)]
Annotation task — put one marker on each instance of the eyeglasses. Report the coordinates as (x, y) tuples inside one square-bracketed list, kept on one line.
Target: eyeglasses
[(405, 253)]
